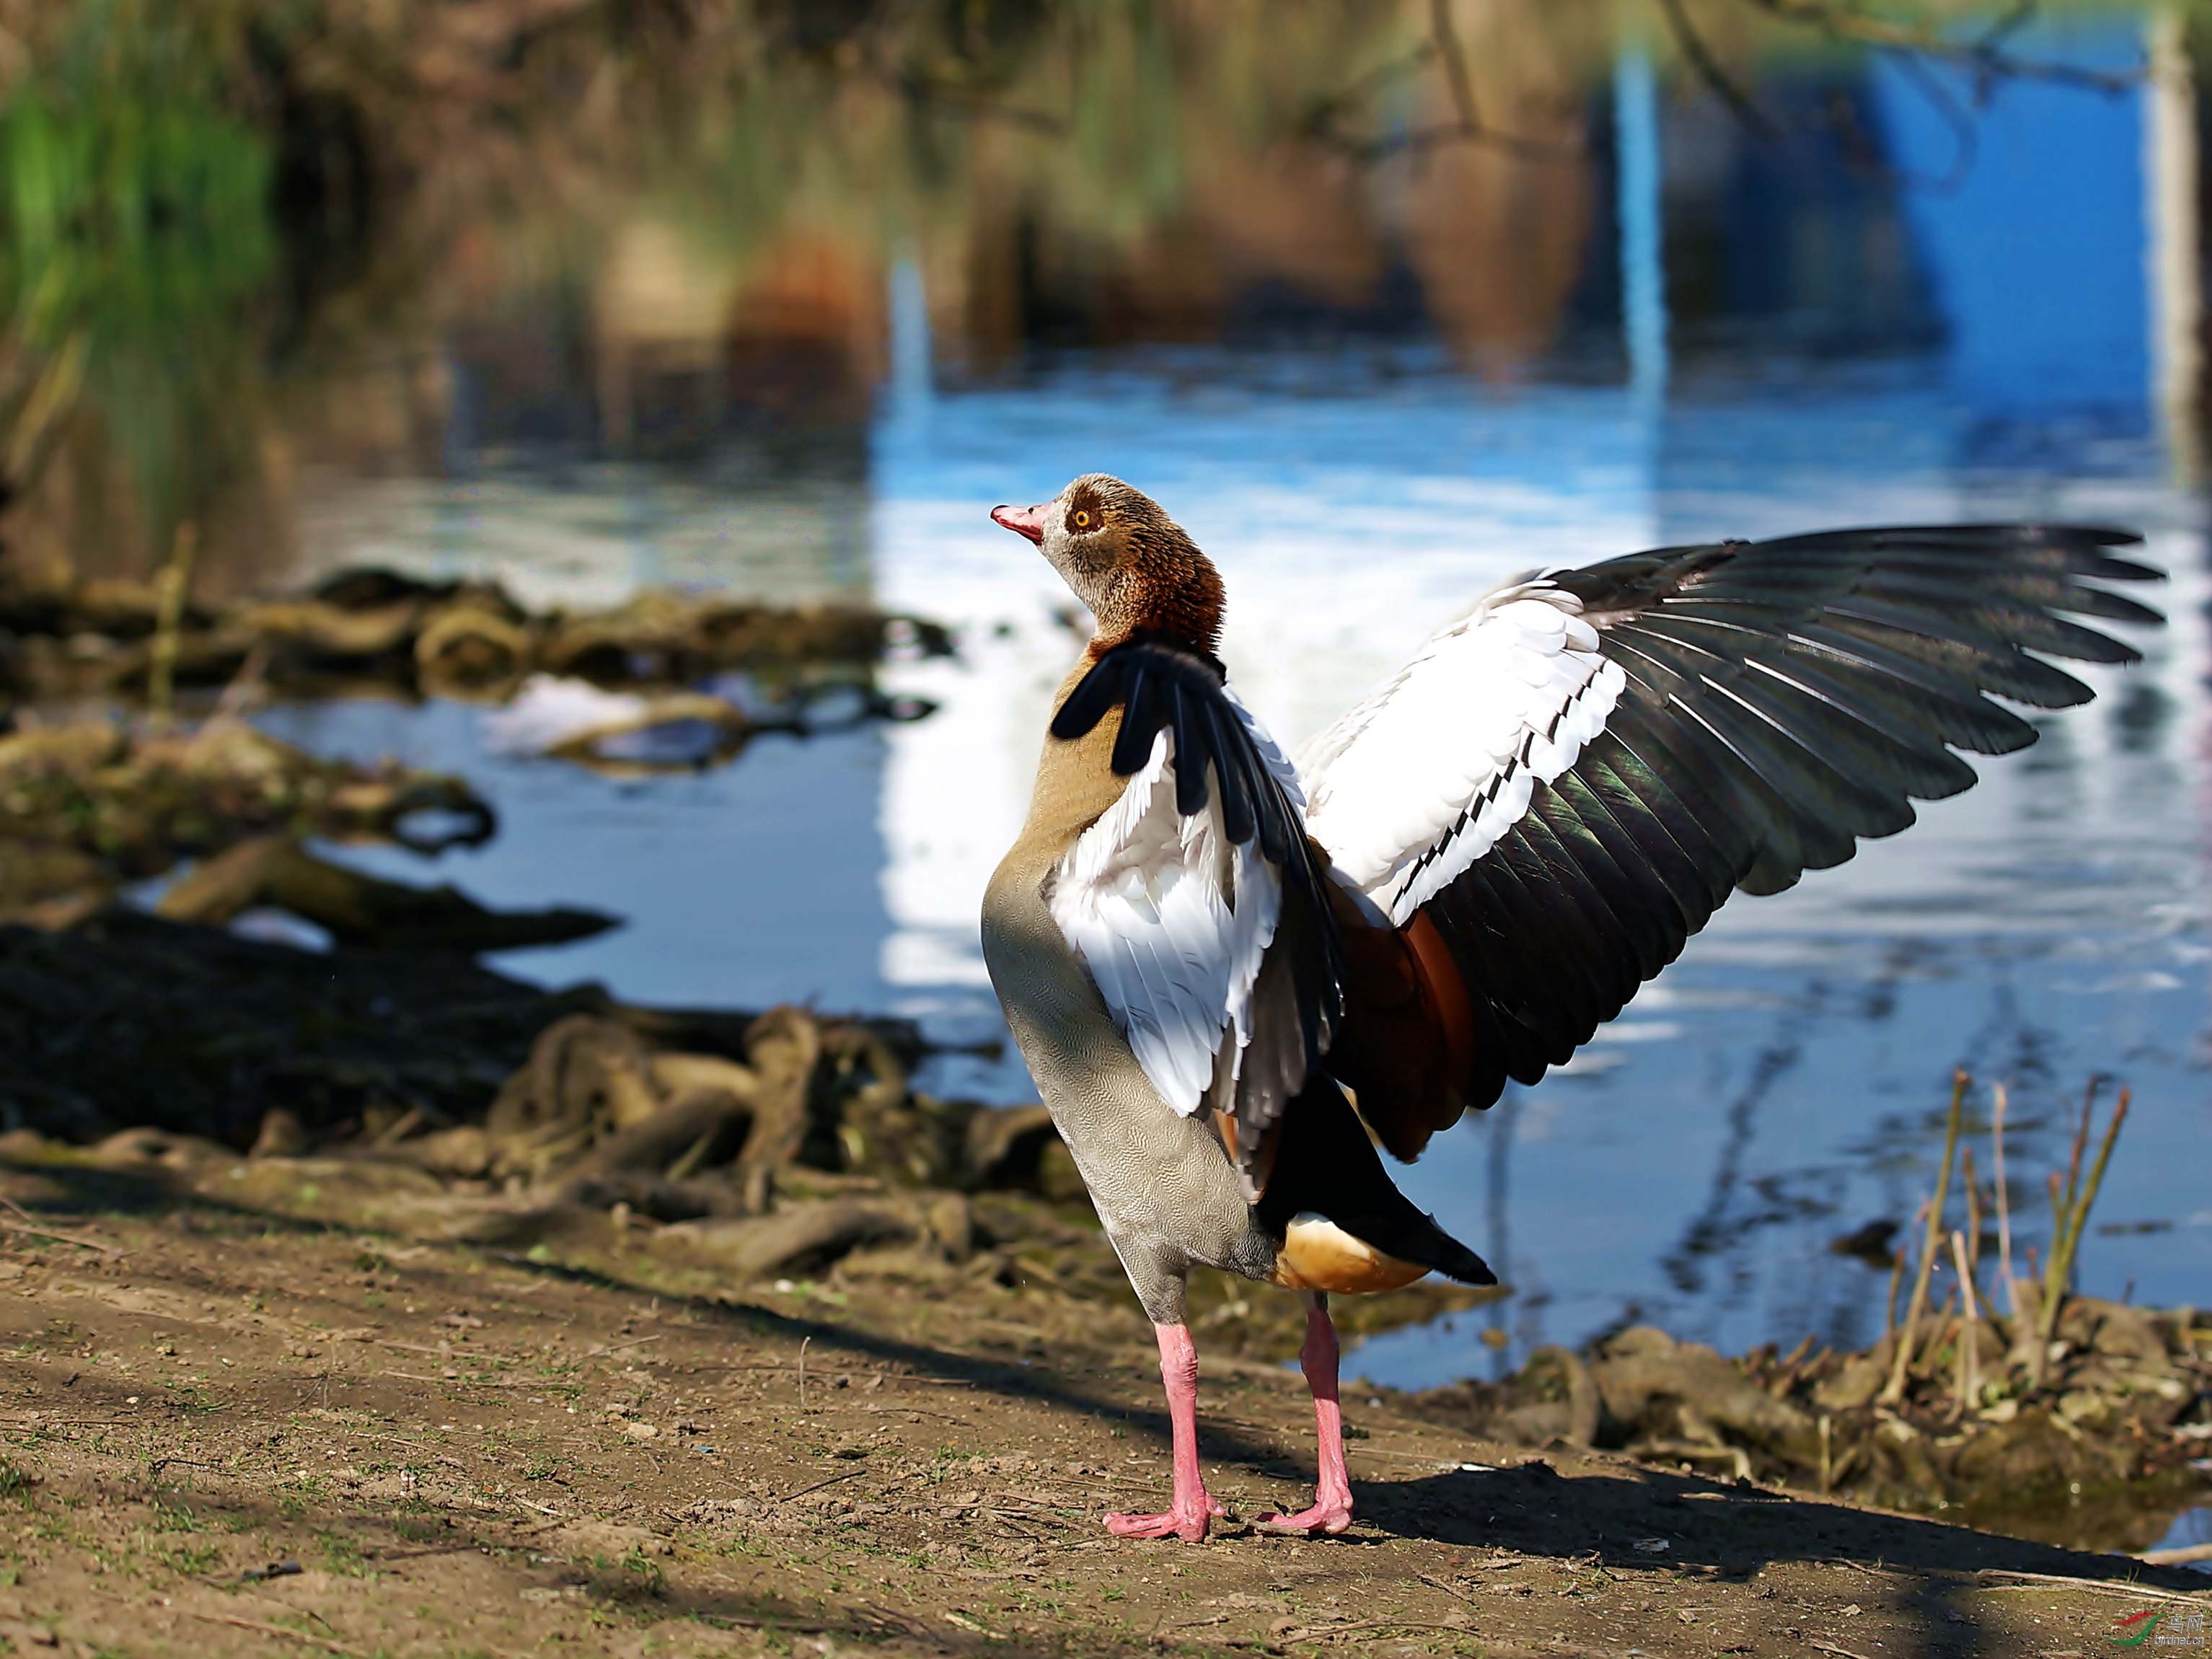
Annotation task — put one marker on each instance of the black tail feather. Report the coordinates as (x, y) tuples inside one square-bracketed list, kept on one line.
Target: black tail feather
[(1327, 1165)]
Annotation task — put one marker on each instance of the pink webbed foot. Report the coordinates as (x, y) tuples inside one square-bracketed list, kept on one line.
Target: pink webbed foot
[(1327, 1517), (1194, 1508), (1188, 1524), (1332, 1509)]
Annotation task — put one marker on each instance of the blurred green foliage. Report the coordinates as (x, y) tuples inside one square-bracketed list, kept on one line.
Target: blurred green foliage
[(135, 231), (189, 188), (147, 251)]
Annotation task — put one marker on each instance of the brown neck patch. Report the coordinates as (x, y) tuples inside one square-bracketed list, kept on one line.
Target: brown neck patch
[(1164, 586)]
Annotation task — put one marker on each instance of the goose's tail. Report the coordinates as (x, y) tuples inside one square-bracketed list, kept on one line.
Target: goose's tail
[(1344, 1224)]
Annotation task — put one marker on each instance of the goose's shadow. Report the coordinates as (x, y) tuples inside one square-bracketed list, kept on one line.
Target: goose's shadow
[(1635, 1520)]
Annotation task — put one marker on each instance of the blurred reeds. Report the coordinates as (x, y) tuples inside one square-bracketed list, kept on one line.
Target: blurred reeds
[(204, 195)]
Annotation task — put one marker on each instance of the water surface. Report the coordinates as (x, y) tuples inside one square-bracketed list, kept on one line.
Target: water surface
[(800, 343)]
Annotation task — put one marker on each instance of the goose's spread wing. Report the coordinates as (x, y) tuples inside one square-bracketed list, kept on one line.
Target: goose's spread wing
[(1195, 901), (1568, 781)]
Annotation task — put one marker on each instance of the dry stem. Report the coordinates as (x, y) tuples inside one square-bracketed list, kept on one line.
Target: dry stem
[(2004, 1204), (2069, 1227), (173, 587), (1969, 1329), (1900, 1366)]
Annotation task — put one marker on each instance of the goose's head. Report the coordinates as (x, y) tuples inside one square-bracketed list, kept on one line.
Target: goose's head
[(1125, 558)]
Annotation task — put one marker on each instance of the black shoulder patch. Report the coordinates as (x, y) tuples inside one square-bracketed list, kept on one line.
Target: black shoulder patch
[(1161, 683)]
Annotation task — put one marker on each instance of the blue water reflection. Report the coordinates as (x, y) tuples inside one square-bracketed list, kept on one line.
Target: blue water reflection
[(1758, 341)]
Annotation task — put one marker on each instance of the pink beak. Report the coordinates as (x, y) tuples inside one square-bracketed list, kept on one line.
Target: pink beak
[(1022, 520)]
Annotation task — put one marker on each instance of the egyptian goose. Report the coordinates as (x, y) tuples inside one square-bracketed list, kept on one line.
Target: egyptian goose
[(1227, 973)]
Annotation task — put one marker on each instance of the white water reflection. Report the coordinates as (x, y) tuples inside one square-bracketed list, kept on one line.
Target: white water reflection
[(1784, 1083), (1781, 1085), (1869, 352)]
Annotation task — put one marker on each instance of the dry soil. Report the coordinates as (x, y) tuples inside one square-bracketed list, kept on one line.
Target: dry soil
[(229, 1432)]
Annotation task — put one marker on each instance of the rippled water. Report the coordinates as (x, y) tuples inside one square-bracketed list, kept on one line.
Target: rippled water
[(1370, 395), (1783, 1084)]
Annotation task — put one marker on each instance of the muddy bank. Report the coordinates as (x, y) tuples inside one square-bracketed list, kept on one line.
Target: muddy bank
[(204, 1032), (367, 630), (419, 1093), (231, 1429), (422, 1094), (2119, 1425), (89, 806), (444, 1313), (99, 788), (1998, 1394)]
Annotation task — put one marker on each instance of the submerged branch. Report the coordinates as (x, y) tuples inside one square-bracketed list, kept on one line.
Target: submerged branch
[(1984, 56), (1323, 121), (1700, 58)]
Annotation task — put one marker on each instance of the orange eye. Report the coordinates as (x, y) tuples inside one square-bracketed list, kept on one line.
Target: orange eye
[(1082, 521)]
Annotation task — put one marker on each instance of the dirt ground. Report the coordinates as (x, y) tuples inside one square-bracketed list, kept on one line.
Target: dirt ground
[(229, 1430)]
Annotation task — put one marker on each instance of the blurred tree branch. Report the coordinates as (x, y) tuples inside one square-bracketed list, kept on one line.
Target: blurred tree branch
[(1324, 122), (1916, 49), (1984, 56), (1699, 57)]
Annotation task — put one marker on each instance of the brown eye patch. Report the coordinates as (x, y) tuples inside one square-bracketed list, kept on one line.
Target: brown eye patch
[(1086, 512)]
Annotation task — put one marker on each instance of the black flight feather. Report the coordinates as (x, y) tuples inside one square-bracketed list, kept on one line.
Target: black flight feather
[(1782, 700)]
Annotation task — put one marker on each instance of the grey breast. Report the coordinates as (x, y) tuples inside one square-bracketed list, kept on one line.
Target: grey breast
[(1161, 1183)]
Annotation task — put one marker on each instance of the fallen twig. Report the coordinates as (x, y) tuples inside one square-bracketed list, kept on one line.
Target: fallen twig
[(461, 1544), (398, 1440), (1310, 1633), (1361, 1448), (257, 1626), (30, 1223), (32, 1422), (830, 1480), (2061, 1581), (1449, 1590), (954, 1616), (857, 1370)]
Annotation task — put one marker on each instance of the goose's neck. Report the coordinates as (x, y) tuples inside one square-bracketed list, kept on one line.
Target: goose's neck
[(1173, 591)]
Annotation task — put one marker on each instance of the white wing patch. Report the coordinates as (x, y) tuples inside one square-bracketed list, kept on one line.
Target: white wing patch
[(1423, 778), (1173, 921)]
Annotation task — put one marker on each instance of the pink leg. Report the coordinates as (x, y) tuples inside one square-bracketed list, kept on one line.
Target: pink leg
[(1332, 1509), (1194, 1507)]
